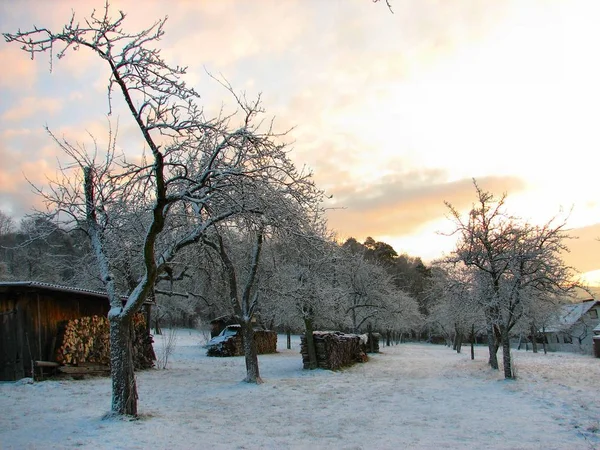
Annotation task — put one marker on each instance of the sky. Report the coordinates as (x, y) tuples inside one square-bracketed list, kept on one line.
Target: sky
[(395, 113), (415, 396)]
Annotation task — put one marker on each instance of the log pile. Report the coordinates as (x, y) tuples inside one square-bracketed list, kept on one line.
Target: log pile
[(231, 346), (143, 351), (265, 340), (334, 350), (86, 341)]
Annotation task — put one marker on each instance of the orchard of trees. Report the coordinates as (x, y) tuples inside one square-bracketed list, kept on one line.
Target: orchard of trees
[(211, 217)]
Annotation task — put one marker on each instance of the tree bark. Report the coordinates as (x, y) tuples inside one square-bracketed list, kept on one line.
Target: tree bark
[(310, 344), (492, 346), (289, 338), (473, 342), (458, 338), (533, 339), (544, 341), (506, 359), (250, 353), (124, 390)]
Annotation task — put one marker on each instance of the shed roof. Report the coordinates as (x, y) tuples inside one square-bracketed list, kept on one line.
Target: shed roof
[(40, 285)]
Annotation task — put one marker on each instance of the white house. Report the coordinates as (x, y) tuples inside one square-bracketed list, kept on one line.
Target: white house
[(574, 327)]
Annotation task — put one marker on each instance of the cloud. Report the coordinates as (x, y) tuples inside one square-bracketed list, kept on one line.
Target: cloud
[(404, 204), (30, 106), (18, 72), (16, 194)]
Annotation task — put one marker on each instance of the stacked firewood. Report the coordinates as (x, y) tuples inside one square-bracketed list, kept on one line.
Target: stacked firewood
[(265, 340), (334, 350), (143, 350), (232, 346), (86, 341), (82, 340)]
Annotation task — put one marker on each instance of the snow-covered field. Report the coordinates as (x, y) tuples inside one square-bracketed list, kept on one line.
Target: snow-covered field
[(412, 396)]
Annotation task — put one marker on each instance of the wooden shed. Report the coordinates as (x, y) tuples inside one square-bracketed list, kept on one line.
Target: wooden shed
[(217, 325), (30, 315)]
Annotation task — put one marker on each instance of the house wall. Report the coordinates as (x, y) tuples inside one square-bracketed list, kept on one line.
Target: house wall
[(579, 338)]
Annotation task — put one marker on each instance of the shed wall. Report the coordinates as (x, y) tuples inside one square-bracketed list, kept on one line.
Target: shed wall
[(30, 322)]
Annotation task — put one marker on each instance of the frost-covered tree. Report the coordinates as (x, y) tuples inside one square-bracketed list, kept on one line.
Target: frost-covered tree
[(517, 262), (303, 290), (196, 172), (7, 224), (456, 313)]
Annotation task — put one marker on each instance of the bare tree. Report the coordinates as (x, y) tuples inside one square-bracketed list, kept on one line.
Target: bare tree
[(198, 172), (304, 285), (519, 262), (387, 2), (457, 312), (243, 295)]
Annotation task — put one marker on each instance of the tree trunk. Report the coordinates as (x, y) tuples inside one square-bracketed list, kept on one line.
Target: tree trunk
[(310, 344), (289, 338), (250, 353), (492, 346), (473, 342), (124, 390), (458, 338), (508, 374), (544, 340), (533, 340)]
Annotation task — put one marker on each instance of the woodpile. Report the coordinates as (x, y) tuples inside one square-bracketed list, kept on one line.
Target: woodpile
[(231, 346), (265, 340), (85, 341), (334, 350), (143, 351)]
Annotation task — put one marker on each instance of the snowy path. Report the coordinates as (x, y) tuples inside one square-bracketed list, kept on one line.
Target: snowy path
[(410, 396)]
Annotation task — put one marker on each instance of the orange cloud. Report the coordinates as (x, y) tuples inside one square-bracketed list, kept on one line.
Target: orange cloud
[(404, 204)]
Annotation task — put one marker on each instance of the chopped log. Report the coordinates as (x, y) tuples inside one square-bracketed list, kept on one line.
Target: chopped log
[(87, 369), (45, 364)]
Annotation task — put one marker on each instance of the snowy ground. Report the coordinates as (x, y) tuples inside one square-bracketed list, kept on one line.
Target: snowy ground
[(412, 396)]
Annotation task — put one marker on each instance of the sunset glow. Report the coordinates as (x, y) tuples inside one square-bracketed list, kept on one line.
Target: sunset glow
[(394, 113)]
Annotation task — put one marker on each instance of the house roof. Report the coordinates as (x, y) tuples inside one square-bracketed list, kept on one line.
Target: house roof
[(40, 285), (570, 314)]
